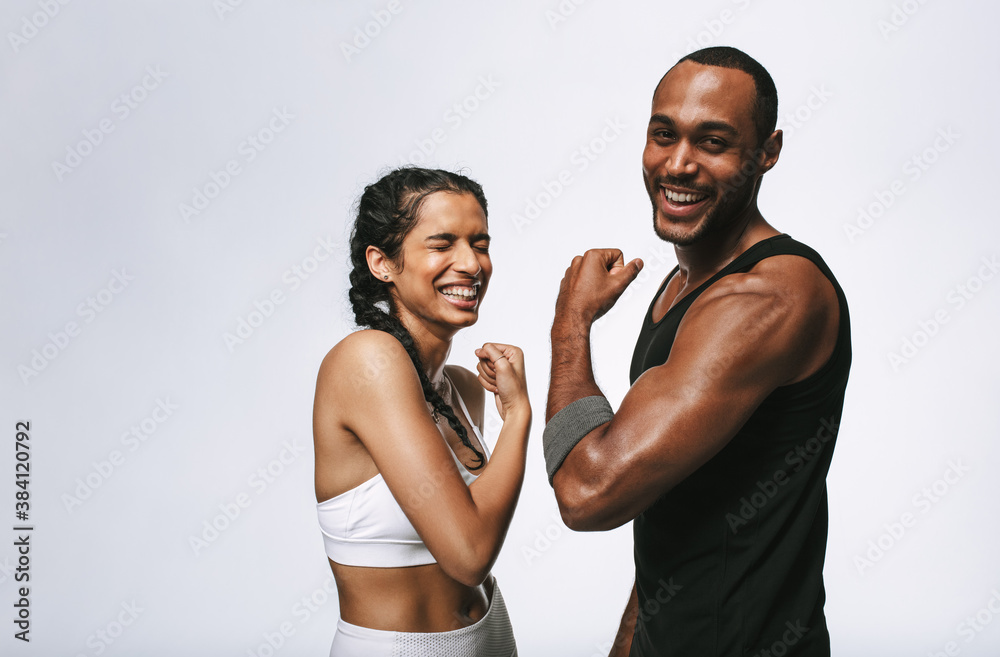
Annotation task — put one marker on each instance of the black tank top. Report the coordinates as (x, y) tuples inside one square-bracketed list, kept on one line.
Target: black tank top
[(730, 561)]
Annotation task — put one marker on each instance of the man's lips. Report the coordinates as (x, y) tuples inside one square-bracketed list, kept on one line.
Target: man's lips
[(683, 196), (681, 203)]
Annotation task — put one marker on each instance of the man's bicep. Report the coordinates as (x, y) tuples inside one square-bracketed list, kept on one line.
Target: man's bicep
[(731, 351), (668, 425), (726, 358), (671, 423)]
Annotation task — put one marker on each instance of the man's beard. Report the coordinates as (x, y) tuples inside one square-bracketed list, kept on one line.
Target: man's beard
[(732, 201)]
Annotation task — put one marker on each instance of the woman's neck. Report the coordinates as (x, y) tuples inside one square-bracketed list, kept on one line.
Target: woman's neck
[(432, 347)]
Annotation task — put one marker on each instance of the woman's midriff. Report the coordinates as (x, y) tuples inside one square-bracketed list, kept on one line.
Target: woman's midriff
[(413, 599)]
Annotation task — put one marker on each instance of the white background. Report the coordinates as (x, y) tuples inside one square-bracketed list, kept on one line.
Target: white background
[(860, 97)]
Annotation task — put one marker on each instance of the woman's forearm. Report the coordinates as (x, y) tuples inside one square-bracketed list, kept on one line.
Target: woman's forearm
[(495, 491)]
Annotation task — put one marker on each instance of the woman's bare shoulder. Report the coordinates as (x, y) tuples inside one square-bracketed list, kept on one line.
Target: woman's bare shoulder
[(363, 347), (363, 359)]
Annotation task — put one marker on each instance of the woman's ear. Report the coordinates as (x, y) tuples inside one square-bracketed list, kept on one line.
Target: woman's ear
[(379, 265)]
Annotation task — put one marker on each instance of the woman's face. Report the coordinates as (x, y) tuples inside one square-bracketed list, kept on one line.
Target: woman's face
[(444, 267)]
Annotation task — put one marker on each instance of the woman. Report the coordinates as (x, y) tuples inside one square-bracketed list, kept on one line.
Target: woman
[(412, 505)]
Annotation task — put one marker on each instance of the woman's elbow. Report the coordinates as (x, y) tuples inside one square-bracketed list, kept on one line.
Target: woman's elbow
[(469, 567), (470, 577)]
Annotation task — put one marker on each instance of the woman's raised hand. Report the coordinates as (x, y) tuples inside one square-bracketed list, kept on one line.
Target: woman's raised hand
[(501, 371)]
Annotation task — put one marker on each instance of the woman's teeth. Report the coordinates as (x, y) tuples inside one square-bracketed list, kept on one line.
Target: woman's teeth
[(683, 198), (460, 292)]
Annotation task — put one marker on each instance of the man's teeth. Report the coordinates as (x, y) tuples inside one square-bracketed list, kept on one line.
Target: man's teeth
[(683, 198), (460, 292)]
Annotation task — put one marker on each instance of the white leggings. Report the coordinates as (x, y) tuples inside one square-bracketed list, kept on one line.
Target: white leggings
[(490, 636)]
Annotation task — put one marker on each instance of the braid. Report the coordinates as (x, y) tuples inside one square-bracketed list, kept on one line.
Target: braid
[(386, 212)]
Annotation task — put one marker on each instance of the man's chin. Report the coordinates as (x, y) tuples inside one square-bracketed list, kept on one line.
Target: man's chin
[(677, 233)]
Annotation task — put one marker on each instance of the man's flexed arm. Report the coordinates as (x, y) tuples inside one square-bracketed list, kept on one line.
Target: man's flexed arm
[(742, 338)]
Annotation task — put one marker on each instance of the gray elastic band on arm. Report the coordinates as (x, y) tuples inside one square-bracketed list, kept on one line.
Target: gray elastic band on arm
[(569, 426)]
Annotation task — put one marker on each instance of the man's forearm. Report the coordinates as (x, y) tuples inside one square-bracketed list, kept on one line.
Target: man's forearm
[(572, 375)]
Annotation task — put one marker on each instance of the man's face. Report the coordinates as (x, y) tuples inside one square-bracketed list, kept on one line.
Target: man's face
[(699, 164)]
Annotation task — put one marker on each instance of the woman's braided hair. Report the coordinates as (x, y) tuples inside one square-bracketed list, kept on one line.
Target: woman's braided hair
[(387, 211)]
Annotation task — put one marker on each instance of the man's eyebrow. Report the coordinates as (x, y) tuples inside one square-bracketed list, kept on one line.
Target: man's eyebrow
[(718, 126), (704, 126)]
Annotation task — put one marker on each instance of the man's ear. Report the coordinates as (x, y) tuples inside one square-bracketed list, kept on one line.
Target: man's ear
[(770, 151)]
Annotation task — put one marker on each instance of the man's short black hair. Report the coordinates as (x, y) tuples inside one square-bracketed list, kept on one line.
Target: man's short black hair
[(765, 106)]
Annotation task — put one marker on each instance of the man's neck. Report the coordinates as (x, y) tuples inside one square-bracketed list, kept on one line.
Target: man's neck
[(699, 262)]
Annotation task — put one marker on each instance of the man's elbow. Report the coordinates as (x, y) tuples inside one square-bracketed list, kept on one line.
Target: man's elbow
[(581, 505), (585, 487)]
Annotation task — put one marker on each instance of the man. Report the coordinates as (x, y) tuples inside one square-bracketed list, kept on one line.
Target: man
[(720, 450)]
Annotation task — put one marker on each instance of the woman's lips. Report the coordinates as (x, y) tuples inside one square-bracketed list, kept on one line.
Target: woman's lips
[(462, 296)]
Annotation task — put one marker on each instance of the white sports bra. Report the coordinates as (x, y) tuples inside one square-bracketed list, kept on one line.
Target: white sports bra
[(365, 526)]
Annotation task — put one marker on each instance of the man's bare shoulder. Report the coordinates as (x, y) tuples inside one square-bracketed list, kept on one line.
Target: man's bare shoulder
[(790, 282), (783, 312)]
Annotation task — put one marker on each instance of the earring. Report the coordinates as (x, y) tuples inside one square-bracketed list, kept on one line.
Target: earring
[(385, 276)]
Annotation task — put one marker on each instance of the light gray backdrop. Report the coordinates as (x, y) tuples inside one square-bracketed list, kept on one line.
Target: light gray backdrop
[(176, 188)]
